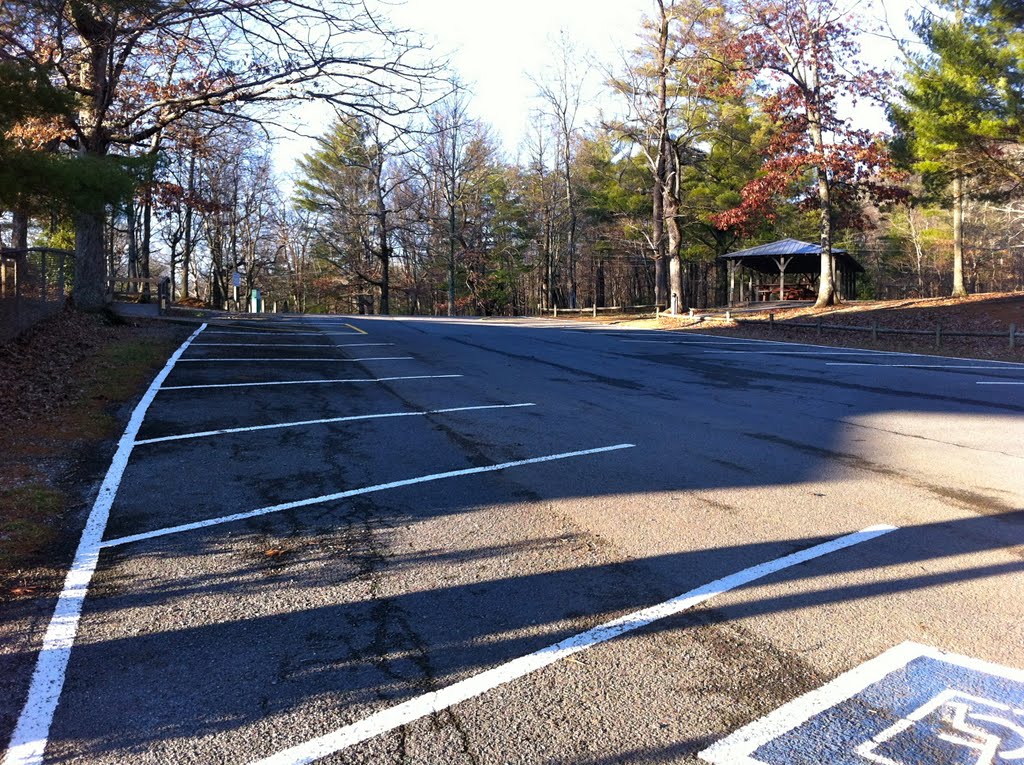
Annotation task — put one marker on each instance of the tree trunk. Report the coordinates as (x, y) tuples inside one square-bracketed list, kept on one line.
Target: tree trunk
[(661, 275), (133, 247), (19, 232), (826, 282), (958, 237), (677, 281), (677, 292), (549, 258), (186, 247), (172, 263), (570, 201), (90, 289), (147, 235), (658, 233), (384, 243), (90, 269), (451, 259)]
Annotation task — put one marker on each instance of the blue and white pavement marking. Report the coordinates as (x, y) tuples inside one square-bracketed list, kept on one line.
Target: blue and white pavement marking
[(913, 705)]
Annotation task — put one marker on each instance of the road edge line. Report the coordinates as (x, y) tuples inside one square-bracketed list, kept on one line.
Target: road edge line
[(28, 741)]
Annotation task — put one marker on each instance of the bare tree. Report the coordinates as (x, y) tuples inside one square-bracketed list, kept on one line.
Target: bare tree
[(560, 87), (137, 67), (457, 151)]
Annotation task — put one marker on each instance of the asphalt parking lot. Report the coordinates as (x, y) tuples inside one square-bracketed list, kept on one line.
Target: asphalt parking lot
[(377, 540)]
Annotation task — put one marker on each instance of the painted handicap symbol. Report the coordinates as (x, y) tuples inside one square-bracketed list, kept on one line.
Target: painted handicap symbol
[(912, 705), (975, 730)]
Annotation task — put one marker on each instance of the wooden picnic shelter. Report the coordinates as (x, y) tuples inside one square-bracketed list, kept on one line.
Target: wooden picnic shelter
[(751, 268)]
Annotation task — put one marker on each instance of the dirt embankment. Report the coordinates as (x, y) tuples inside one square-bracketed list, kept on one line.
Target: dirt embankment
[(66, 389)]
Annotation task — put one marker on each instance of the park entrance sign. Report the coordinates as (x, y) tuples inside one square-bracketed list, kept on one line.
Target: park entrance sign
[(913, 705)]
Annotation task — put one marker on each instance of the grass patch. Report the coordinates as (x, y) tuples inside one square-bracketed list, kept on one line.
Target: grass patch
[(28, 521), (111, 378)]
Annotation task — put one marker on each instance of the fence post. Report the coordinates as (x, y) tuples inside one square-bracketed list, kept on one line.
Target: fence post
[(874, 330), (938, 334), (18, 275), (556, 312), (60, 275), (771, 321), (595, 309), (1013, 334), (819, 325), (728, 317), (42, 273)]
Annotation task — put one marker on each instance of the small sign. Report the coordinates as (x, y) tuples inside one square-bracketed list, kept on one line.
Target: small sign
[(236, 279), (913, 705)]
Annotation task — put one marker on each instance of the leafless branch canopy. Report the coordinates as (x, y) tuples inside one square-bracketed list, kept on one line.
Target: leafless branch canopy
[(139, 66)]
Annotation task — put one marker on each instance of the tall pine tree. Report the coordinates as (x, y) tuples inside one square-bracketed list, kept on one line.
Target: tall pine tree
[(961, 116)]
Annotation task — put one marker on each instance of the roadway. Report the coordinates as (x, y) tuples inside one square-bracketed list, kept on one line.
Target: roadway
[(399, 540)]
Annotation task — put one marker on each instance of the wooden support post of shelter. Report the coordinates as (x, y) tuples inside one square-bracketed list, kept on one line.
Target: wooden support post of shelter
[(782, 263)]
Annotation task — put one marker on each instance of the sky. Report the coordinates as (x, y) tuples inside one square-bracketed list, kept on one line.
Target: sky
[(495, 46)]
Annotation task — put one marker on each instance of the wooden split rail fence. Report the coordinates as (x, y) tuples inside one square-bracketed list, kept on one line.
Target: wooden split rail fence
[(593, 310), (1013, 336), (141, 286)]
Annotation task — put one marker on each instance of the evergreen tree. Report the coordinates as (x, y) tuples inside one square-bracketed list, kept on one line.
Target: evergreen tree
[(961, 116)]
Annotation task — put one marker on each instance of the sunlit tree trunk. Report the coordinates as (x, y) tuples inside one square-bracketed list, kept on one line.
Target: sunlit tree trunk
[(674, 231), (958, 237), (826, 281), (661, 275)]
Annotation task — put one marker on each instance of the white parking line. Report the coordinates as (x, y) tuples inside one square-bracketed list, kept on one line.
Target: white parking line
[(689, 342), (300, 423), (289, 345), (299, 359), (278, 332), (922, 366), (999, 383), (354, 493), (430, 703), (797, 353), (308, 382), (28, 741)]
